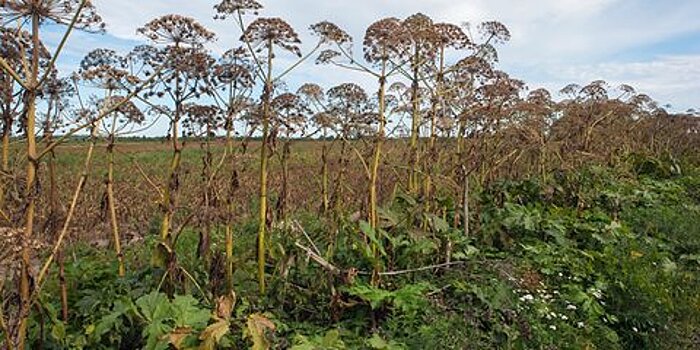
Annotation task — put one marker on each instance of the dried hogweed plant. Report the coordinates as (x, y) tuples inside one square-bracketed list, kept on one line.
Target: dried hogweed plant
[(262, 36), (75, 14), (185, 78)]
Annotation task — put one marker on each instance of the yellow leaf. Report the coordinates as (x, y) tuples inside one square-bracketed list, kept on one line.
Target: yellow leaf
[(178, 335), (213, 334), (257, 326), (635, 254), (224, 305)]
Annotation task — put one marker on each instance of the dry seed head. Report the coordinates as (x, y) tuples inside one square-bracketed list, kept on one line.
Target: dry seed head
[(199, 117), (384, 39), (311, 91), (596, 90), (421, 31), (105, 69), (147, 57), (627, 89), (473, 65), (450, 35), (234, 73), (272, 30), (236, 55), (327, 56), (488, 53), (193, 62), (495, 31), (12, 243), (12, 44), (229, 7), (16, 44), (57, 11), (570, 90), (102, 57), (291, 112), (348, 93), (330, 33), (57, 89), (325, 120), (176, 30), (540, 96)]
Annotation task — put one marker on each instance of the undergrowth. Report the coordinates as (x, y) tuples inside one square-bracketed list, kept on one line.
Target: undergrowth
[(594, 259)]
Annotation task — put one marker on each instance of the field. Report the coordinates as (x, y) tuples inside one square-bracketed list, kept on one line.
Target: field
[(428, 200), (597, 257)]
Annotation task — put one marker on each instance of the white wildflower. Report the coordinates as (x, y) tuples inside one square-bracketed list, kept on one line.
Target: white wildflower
[(527, 297)]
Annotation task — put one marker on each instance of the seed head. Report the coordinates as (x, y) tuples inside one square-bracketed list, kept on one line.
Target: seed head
[(272, 30), (331, 33), (312, 92), (176, 30), (56, 11), (325, 120), (450, 35), (494, 31), (127, 110), (384, 39), (202, 119), (229, 7), (104, 68)]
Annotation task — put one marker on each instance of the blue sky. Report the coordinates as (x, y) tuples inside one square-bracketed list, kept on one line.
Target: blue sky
[(649, 44)]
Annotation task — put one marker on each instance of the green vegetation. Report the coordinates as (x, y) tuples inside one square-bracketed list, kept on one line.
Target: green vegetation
[(595, 258)]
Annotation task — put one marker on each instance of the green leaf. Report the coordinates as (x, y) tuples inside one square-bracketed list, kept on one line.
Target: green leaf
[(375, 296), (187, 313), (154, 306), (376, 342), (372, 235), (58, 331), (438, 224)]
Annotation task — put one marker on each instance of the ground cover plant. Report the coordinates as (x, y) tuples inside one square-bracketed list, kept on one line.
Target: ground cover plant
[(450, 207)]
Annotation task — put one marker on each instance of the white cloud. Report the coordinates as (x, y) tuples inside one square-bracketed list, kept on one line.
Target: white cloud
[(554, 41), (668, 79)]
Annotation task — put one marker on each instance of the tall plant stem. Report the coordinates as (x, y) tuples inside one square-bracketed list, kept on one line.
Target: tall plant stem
[(435, 109), (168, 202), (32, 165), (112, 205), (7, 129), (69, 217), (262, 215), (324, 174), (53, 218), (284, 192), (229, 214), (204, 250), (415, 127), (374, 174)]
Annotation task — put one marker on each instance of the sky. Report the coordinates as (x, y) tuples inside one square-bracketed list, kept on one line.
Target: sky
[(651, 45)]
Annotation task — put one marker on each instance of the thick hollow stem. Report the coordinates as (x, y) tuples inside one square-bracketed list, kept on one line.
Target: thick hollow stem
[(415, 128), (262, 215), (374, 175), (230, 210), (113, 210), (24, 285), (324, 174)]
